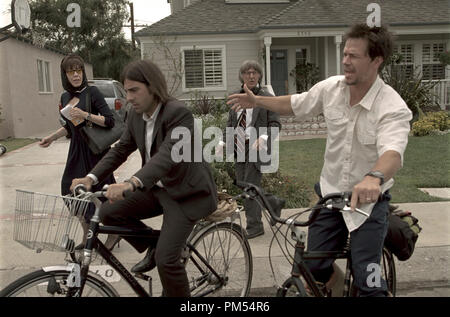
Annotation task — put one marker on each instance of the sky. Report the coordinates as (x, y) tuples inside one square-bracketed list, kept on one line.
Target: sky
[(145, 12)]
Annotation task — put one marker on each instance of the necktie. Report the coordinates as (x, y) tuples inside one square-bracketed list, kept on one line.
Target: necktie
[(239, 138)]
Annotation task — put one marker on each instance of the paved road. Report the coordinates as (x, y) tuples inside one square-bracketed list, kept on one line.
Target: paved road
[(36, 169)]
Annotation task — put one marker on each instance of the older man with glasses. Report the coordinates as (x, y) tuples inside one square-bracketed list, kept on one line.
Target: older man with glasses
[(244, 123)]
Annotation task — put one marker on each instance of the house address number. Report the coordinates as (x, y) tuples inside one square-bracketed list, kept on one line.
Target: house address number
[(303, 33)]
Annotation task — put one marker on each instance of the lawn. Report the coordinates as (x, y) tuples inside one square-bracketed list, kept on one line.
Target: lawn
[(426, 164), (13, 144)]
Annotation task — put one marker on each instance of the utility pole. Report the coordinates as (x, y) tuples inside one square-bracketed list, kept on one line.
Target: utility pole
[(132, 24)]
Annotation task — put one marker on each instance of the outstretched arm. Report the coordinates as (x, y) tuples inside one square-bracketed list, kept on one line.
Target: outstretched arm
[(280, 104)]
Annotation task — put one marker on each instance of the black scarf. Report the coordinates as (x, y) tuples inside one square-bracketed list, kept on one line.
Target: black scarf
[(65, 81)]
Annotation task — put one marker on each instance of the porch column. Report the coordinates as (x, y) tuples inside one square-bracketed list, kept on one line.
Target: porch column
[(338, 41), (267, 43)]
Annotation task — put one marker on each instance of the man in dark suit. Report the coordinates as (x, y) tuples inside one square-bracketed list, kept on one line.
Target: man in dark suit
[(257, 126), (183, 192)]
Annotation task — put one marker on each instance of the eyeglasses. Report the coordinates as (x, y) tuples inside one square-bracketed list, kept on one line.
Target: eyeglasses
[(254, 73), (72, 71)]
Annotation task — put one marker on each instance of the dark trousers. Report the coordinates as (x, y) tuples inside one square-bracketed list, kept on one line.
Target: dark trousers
[(249, 172), (175, 230), (329, 233)]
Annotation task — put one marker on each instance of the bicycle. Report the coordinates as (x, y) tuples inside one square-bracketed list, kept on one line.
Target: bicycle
[(217, 254), (294, 286)]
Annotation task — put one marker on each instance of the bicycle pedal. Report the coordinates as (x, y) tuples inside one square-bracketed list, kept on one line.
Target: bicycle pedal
[(142, 276)]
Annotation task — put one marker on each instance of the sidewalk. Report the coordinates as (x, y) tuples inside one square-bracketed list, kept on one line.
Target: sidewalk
[(38, 169)]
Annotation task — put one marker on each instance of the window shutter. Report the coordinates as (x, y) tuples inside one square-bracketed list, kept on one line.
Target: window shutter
[(213, 68), (193, 67), (432, 69)]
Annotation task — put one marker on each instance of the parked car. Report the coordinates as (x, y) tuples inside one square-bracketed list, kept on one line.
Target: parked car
[(114, 94)]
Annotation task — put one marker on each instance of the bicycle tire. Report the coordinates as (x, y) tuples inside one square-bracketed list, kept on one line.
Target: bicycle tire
[(291, 288), (390, 275), (227, 250), (36, 284)]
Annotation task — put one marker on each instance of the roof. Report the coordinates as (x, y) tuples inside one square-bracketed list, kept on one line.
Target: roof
[(219, 17), (332, 13), (215, 17)]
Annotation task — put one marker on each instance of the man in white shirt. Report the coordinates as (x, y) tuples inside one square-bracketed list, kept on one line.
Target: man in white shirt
[(368, 126)]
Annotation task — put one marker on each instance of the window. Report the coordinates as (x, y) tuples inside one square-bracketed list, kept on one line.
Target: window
[(431, 66), (300, 56), (204, 68), (43, 69), (407, 62)]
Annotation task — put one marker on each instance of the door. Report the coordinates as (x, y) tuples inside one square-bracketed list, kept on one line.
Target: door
[(279, 71)]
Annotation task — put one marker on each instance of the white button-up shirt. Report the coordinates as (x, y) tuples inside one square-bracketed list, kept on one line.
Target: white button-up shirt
[(149, 129), (357, 135)]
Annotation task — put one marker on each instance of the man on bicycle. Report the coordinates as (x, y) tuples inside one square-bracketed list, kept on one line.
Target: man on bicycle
[(368, 126), (183, 191)]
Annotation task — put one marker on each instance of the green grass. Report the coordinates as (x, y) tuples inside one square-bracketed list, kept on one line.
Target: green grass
[(426, 164), (13, 144)]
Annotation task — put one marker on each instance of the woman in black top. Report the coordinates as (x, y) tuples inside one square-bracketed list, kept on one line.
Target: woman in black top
[(80, 159)]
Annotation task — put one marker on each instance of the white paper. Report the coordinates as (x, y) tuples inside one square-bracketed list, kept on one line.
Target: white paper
[(66, 113)]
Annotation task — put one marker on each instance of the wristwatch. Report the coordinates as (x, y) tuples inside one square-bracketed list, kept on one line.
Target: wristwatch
[(377, 174)]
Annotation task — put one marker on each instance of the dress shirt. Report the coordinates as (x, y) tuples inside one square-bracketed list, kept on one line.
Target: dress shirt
[(357, 135), (149, 129)]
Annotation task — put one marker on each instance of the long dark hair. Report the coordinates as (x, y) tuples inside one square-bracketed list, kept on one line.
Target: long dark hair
[(148, 73), (68, 63)]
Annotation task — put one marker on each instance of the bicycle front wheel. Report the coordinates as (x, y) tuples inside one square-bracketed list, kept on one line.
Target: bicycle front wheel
[(54, 284), (228, 254)]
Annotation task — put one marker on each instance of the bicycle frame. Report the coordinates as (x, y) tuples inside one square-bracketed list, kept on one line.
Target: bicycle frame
[(94, 242), (299, 267)]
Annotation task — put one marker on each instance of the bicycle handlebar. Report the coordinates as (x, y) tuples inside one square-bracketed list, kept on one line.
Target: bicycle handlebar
[(333, 200)]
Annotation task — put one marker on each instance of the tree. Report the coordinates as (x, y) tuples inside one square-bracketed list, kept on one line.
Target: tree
[(98, 38)]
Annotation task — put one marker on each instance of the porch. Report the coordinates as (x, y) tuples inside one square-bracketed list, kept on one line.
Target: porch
[(441, 92)]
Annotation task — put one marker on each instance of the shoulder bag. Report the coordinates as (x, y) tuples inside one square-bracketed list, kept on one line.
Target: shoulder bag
[(99, 138)]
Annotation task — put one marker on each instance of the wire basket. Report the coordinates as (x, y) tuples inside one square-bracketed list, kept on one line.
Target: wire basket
[(48, 222)]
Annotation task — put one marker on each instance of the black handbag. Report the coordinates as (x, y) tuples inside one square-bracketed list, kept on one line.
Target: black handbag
[(99, 138)]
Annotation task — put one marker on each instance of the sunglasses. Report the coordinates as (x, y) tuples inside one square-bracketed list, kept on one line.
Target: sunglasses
[(72, 71)]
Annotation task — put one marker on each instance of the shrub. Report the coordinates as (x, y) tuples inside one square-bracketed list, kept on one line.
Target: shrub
[(431, 123), (418, 95), (203, 105), (306, 75), (286, 187)]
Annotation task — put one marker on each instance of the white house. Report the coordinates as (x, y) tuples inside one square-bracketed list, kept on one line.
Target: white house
[(201, 44)]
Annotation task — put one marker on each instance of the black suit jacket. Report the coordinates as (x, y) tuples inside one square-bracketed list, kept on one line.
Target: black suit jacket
[(260, 118), (191, 184)]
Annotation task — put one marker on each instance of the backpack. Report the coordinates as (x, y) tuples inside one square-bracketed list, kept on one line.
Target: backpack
[(402, 234)]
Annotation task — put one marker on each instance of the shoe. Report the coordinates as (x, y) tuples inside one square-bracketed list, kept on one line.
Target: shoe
[(253, 233), (148, 263), (112, 240)]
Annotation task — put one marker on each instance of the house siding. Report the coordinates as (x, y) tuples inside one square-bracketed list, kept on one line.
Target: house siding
[(237, 49), (26, 111)]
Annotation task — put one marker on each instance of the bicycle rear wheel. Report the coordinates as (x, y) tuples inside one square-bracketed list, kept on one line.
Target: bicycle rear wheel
[(227, 251), (54, 284), (388, 271)]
